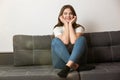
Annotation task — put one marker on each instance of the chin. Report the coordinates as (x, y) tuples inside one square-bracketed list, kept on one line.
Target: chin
[(68, 20)]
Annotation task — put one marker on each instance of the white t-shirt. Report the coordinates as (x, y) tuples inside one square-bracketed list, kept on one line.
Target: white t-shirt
[(59, 30)]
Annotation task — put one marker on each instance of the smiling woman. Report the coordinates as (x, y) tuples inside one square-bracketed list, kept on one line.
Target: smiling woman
[(68, 34)]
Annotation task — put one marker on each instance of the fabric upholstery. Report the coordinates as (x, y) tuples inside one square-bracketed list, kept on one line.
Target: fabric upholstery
[(103, 46), (103, 71), (31, 50), (103, 52), (33, 73)]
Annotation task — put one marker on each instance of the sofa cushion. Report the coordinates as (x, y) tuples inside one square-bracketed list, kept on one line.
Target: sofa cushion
[(103, 46), (32, 50), (115, 45), (45, 72), (103, 71)]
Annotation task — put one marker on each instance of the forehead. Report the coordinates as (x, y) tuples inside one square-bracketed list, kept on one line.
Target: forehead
[(67, 10)]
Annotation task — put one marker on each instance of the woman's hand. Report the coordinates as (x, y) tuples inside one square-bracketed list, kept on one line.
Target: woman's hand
[(73, 20), (63, 20)]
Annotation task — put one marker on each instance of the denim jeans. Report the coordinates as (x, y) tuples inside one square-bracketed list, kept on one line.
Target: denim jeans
[(61, 55)]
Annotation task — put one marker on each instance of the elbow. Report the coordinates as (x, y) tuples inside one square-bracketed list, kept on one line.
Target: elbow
[(73, 42), (66, 42)]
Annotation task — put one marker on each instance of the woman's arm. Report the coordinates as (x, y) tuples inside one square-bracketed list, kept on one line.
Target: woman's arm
[(64, 37), (73, 34)]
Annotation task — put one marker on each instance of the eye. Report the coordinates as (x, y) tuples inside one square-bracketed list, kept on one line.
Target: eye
[(65, 13), (71, 13)]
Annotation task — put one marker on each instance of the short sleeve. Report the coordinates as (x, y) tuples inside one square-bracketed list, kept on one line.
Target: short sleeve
[(79, 29), (58, 31)]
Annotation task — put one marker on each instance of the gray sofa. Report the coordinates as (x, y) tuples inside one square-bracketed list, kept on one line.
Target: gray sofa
[(32, 58)]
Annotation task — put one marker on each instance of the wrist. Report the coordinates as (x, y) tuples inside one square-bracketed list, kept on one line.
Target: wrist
[(70, 24), (66, 24)]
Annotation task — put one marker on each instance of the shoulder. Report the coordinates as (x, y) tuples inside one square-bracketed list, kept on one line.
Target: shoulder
[(80, 28), (58, 28)]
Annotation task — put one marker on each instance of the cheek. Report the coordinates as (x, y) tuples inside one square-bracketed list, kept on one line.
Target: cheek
[(63, 16), (72, 16)]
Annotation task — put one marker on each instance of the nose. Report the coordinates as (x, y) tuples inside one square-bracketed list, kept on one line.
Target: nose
[(68, 14)]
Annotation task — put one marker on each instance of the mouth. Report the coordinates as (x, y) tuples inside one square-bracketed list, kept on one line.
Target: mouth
[(68, 18)]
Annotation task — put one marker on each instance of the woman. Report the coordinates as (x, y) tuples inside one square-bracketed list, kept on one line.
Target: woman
[(69, 45)]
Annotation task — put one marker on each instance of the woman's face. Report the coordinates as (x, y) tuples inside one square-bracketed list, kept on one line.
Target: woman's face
[(67, 14)]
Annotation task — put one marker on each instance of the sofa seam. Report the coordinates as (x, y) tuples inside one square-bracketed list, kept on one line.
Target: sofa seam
[(111, 49), (33, 49)]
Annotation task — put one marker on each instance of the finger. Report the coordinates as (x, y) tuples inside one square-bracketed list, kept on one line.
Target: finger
[(75, 17), (60, 17)]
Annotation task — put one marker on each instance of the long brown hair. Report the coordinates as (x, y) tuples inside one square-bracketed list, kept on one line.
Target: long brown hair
[(59, 24)]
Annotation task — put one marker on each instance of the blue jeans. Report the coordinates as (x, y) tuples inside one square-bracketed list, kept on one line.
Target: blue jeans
[(61, 55)]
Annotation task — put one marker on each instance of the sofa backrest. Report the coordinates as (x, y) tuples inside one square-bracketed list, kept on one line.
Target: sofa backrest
[(103, 46), (36, 50), (32, 50)]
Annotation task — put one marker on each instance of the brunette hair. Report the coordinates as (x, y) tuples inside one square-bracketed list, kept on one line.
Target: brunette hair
[(59, 24)]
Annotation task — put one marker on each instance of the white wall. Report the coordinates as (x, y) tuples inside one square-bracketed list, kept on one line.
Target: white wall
[(37, 17)]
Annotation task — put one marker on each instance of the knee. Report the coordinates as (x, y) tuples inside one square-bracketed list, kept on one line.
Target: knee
[(82, 38), (54, 41)]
